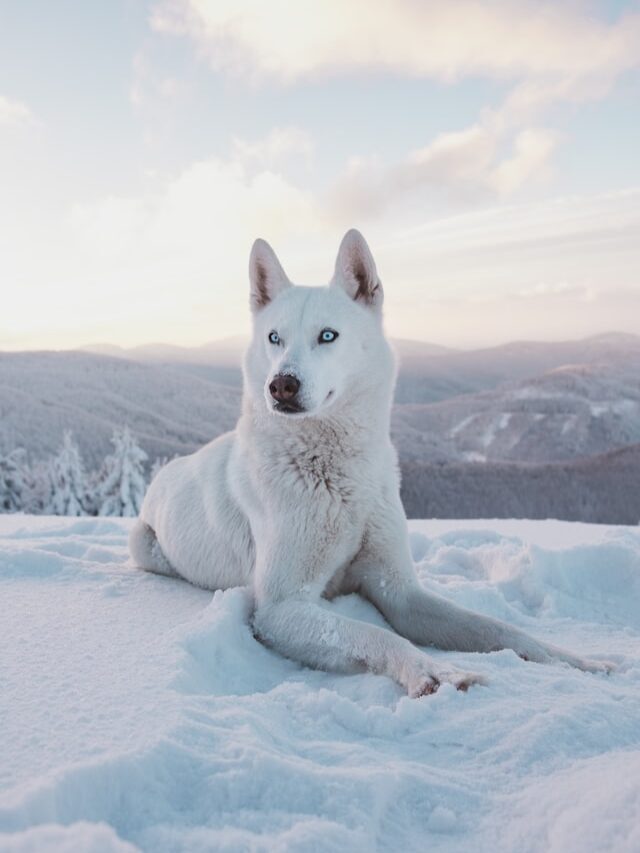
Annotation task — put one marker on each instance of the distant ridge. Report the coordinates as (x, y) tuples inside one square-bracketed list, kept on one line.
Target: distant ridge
[(42, 394), (601, 489), (523, 429), (428, 372), (226, 352)]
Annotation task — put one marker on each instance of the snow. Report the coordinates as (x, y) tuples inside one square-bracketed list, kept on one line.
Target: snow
[(493, 428), (137, 712), (461, 425)]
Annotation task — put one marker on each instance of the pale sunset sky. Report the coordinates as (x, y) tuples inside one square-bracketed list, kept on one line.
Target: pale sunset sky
[(489, 152)]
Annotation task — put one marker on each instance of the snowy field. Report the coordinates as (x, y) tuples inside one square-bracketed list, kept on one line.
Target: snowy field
[(138, 712)]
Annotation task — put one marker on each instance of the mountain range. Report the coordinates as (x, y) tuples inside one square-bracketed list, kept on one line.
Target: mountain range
[(524, 403)]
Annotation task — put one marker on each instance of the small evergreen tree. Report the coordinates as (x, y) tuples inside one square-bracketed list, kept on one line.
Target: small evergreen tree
[(69, 494), (158, 464), (38, 493), (13, 482), (122, 481)]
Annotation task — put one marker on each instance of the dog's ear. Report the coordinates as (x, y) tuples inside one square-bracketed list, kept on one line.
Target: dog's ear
[(356, 271), (266, 275)]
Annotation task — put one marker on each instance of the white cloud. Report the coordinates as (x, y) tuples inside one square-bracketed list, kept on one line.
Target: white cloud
[(552, 51), (279, 145), (460, 167), (532, 151), (148, 86), (14, 112), (504, 38), (556, 269), (169, 263)]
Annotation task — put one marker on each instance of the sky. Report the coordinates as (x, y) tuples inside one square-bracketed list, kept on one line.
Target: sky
[(488, 151)]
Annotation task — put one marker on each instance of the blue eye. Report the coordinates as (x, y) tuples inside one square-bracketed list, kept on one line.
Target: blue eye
[(326, 336), (274, 338)]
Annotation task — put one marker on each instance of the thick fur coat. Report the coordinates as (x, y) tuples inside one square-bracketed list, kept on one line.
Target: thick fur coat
[(302, 501)]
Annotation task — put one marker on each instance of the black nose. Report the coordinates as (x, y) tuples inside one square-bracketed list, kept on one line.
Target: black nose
[(284, 388)]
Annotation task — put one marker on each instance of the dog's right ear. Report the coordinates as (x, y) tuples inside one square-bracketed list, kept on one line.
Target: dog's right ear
[(356, 271), (266, 275)]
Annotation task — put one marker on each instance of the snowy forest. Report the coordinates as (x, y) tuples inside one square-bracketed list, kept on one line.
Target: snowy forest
[(600, 489), (61, 485)]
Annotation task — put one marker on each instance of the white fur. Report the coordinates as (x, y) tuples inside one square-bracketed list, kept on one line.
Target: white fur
[(305, 506)]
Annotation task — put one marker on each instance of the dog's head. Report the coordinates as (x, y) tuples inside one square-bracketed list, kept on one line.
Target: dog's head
[(312, 347)]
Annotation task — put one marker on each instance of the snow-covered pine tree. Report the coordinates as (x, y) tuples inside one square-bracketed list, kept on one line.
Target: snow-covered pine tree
[(158, 464), (68, 481), (39, 487), (13, 483), (122, 481)]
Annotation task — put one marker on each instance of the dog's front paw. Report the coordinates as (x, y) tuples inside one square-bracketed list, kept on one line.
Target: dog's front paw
[(461, 680), (426, 682), (589, 665), (423, 687)]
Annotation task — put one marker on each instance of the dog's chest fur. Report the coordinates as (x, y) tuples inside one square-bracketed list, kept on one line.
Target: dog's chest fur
[(324, 462), (327, 462), (316, 481)]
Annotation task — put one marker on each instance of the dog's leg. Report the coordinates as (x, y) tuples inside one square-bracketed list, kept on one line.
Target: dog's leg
[(308, 632), (291, 617), (386, 576)]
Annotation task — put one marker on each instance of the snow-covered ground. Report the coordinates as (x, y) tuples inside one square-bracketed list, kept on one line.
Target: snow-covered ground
[(140, 712)]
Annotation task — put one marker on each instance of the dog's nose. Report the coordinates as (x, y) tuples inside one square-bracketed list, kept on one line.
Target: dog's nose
[(284, 388)]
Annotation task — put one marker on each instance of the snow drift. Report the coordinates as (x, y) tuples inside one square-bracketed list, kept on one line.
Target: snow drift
[(138, 712)]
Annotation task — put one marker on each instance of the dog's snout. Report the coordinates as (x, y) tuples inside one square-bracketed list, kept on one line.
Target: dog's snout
[(284, 388)]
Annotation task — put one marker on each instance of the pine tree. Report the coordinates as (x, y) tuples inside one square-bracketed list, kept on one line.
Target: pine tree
[(13, 483), (38, 492), (158, 464), (69, 494), (122, 481)]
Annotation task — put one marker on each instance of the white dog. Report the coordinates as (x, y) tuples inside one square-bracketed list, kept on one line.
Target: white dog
[(301, 502)]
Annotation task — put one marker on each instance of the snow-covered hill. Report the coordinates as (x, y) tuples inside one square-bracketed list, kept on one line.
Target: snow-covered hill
[(177, 398), (42, 394), (427, 377), (138, 712), (569, 412), (602, 489), (428, 372)]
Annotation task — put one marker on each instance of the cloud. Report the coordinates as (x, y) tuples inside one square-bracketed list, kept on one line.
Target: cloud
[(569, 313), (551, 51), (532, 149), (196, 220), (460, 167), (280, 144), (447, 41), (557, 269), (14, 112), (148, 87), (168, 263)]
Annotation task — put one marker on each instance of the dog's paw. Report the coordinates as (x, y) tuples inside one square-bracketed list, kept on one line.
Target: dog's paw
[(428, 683), (462, 680), (590, 665), (423, 687)]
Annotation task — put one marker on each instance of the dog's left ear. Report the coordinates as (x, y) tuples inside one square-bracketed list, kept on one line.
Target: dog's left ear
[(356, 271), (266, 275)]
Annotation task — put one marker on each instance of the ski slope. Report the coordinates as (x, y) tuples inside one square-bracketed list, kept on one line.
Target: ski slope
[(137, 712)]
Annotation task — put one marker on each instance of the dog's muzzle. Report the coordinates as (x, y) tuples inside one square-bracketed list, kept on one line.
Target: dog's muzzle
[(284, 389)]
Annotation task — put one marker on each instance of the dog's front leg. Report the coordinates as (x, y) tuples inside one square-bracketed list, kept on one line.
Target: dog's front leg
[(299, 625), (384, 574), (307, 632)]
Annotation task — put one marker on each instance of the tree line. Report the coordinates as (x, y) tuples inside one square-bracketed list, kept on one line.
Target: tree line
[(61, 485), (601, 489), (604, 489)]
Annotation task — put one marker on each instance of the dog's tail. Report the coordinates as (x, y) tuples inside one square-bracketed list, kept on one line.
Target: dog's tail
[(146, 552)]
